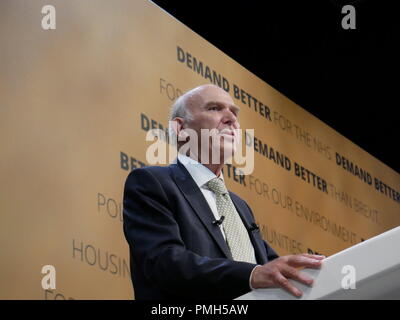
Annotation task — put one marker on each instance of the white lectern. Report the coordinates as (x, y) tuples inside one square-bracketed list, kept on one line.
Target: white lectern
[(374, 264)]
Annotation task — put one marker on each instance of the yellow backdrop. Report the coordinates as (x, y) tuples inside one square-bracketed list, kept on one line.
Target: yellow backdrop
[(76, 104)]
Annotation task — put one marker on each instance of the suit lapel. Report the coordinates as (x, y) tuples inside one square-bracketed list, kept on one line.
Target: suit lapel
[(194, 196)]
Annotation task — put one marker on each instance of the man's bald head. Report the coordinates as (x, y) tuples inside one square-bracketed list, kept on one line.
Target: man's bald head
[(193, 98)]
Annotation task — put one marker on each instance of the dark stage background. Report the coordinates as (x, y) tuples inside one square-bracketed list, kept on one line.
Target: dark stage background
[(346, 78)]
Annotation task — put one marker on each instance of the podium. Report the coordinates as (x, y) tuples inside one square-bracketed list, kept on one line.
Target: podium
[(368, 270)]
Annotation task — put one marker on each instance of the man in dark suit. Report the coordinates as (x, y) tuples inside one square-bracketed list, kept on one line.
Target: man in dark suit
[(189, 237)]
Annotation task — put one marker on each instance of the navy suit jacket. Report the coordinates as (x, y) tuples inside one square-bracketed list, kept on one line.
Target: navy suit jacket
[(176, 251)]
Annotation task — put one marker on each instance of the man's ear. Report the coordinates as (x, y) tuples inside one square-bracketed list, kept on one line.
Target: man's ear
[(178, 124)]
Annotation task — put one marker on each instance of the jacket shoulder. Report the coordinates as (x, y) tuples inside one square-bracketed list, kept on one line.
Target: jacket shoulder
[(148, 174)]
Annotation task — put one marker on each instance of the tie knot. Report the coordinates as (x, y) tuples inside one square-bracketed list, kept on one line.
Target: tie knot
[(217, 185)]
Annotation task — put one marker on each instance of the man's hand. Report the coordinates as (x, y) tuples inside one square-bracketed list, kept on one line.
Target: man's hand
[(277, 272)]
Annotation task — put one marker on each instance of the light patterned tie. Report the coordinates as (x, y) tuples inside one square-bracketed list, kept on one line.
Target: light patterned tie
[(236, 234)]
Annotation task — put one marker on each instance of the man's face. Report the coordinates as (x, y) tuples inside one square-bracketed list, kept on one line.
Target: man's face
[(213, 108)]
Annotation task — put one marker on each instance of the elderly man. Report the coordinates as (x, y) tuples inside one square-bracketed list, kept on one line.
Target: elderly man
[(189, 237)]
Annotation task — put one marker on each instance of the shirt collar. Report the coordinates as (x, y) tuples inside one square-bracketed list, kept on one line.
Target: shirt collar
[(200, 173)]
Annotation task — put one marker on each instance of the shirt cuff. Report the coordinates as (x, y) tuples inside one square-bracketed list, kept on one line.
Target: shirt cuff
[(251, 274)]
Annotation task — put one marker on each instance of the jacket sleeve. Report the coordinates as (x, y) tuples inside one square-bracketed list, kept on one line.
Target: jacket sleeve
[(157, 247)]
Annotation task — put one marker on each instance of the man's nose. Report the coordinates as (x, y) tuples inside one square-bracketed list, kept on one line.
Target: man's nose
[(229, 117)]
